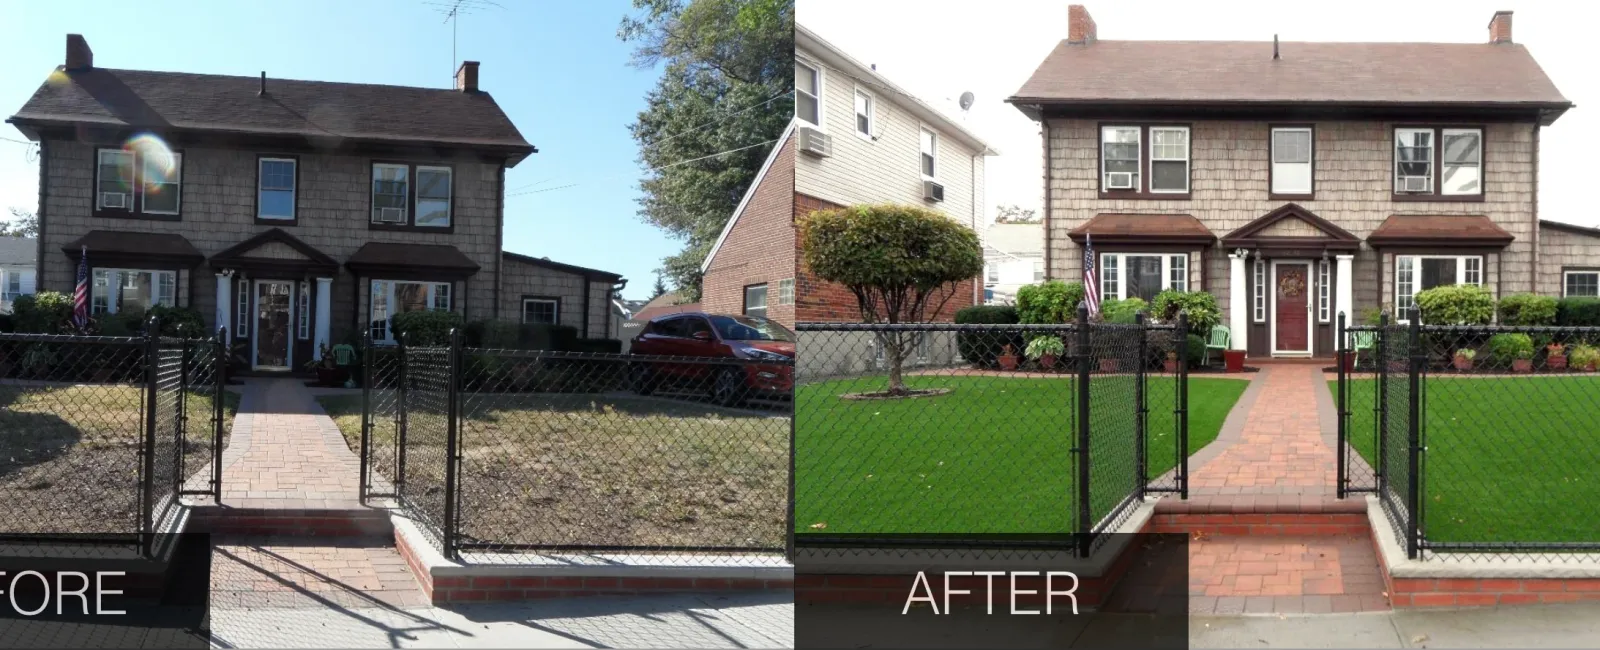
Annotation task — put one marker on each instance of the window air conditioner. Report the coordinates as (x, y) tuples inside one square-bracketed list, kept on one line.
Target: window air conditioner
[(1119, 180), (1414, 184), (932, 191), (118, 200), (391, 215), (815, 142)]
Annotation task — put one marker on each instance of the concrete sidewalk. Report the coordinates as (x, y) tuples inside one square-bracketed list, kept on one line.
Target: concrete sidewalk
[(669, 621), (1575, 625)]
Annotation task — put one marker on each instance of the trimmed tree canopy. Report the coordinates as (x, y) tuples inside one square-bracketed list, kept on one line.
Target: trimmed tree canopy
[(897, 248)]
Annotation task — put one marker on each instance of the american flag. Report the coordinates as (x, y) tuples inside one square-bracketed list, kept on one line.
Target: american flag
[(1091, 285), (80, 297)]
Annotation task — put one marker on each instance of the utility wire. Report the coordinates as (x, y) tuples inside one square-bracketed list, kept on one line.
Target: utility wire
[(724, 118), (655, 169)]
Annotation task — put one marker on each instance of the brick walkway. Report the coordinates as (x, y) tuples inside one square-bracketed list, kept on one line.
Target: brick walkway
[(1280, 450), (1284, 575), (287, 453), (259, 573)]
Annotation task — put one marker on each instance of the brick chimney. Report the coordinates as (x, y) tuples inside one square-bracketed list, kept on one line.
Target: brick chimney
[(1080, 26), (467, 77), (1500, 27), (79, 56)]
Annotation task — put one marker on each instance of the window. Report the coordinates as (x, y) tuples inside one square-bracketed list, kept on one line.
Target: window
[(1416, 273), (1581, 284), (433, 196), (1038, 270), (1324, 309), (391, 297), (138, 184), (1119, 158), (242, 292), (116, 290), (1291, 160), (808, 90), (786, 292), (541, 310), (275, 188), (390, 192), (755, 300), (403, 195), (1169, 159), (303, 318), (930, 154), (863, 114), (992, 273), (1438, 161), (1136, 275), (1259, 304)]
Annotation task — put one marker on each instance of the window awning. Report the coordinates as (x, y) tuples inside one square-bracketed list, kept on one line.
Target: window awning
[(135, 250), (411, 261), (1439, 230), (1116, 228)]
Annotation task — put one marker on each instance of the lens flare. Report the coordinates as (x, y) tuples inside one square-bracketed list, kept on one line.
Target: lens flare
[(158, 164), (58, 77)]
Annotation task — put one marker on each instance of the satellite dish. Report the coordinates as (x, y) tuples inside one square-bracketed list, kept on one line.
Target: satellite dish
[(966, 100)]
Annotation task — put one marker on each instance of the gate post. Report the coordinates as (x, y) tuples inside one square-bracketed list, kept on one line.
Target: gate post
[(452, 445), (1340, 478), (147, 448), (219, 413), (366, 415), (400, 427), (1419, 360), (1085, 358), (1381, 426), (1182, 414), (1141, 410)]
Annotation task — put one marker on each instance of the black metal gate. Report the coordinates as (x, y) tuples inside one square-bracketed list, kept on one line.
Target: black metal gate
[(1380, 394)]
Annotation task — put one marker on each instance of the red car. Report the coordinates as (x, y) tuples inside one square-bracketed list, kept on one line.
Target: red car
[(696, 334)]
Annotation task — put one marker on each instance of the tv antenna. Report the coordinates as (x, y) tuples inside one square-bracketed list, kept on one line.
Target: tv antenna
[(453, 10)]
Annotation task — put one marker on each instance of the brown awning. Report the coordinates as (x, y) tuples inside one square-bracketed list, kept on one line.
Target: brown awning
[(411, 261), (139, 250), (1439, 230), (1114, 228)]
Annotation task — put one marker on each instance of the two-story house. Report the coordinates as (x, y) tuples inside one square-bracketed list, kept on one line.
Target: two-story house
[(856, 138), (1299, 181), (293, 213)]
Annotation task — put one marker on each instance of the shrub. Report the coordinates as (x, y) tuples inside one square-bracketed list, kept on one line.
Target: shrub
[(1196, 350), (1200, 308), (427, 328), (1371, 316), (597, 346), (982, 348), (1049, 303), (1122, 311), (1526, 309), (46, 312), (492, 334), (7, 324), (1457, 304), (542, 336), (1511, 346), (1578, 312), (178, 321), (1046, 345), (1583, 355)]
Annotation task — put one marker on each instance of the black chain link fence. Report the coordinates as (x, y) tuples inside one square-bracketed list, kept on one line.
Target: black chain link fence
[(985, 429), (100, 436), (1479, 441), (584, 452)]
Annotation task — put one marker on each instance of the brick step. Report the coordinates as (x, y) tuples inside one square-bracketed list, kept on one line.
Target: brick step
[(1262, 573), (293, 522), (1261, 524)]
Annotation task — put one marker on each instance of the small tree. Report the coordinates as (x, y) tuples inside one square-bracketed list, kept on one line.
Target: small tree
[(901, 262)]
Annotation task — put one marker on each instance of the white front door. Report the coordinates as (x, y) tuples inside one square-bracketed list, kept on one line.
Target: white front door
[(1290, 287), (273, 335)]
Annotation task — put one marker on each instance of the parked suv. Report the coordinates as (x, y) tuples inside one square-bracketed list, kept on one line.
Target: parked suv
[(748, 339)]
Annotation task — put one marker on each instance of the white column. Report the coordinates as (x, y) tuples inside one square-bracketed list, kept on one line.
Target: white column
[(1238, 307), (1344, 280), (324, 307), (225, 302)]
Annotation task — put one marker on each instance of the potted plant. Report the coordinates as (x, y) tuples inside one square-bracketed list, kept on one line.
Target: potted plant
[(1045, 350), (1555, 356), (1463, 359), (1171, 364), (328, 371), (1585, 357), (1518, 348), (1008, 358), (1233, 360)]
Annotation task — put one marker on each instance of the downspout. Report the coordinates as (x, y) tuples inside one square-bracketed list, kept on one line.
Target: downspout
[(588, 295), (1533, 278), (499, 235), (972, 174), (1045, 126), (44, 197)]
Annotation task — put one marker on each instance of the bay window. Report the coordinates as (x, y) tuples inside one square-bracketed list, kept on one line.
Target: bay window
[(1440, 163), (119, 290), (1414, 274), (392, 297), (138, 183), (1142, 275)]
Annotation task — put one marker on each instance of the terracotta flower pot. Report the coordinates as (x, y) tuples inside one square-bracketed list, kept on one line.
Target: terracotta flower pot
[(1109, 365), (1008, 361), (1522, 365), (1047, 361), (1169, 365), (1462, 363), (1556, 362), (1398, 366), (1233, 360), (1347, 358)]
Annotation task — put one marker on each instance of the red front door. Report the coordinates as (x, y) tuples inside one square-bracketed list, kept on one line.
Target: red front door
[(1292, 282)]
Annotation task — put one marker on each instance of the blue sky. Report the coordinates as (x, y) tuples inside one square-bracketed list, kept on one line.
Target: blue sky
[(556, 68)]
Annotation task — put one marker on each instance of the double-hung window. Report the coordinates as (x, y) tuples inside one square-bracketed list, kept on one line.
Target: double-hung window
[(541, 310), (1169, 159), (1119, 158), (275, 188), (1291, 161), (808, 93), (1144, 161), (1438, 162), (1142, 275), (138, 183), (118, 290), (392, 297), (864, 117), (1584, 284), (755, 300), (1414, 274), (412, 195), (930, 154)]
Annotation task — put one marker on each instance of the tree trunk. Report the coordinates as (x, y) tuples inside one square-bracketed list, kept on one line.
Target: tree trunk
[(893, 352)]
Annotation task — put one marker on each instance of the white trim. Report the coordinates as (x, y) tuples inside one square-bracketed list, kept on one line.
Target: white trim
[(934, 140), (822, 90), (1433, 157), (1324, 291), (788, 131), (1258, 282), (522, 317), (1568, 274), (1272, 308), (176, 182), (1238, 316), (1343, 281), (294, 188), (1122, 271), (255, 326), (389, 304), (323, 315), (1416, 277), (871, 134), (1150, 160), (1138, 141), (449, 198), (1446, 132)]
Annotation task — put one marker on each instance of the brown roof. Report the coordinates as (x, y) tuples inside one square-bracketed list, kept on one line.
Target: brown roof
[(1432, 229), (414, 259), (107, 245), (1334, 73), (167, 101), (1108, 227), (590, 274)]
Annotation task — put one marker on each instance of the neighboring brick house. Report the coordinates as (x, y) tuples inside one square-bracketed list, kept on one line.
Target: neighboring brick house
[(1291, 188), (856, 138), (295, 213)]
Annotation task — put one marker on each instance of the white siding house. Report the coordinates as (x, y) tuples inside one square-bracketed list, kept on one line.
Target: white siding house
[(18, 263)]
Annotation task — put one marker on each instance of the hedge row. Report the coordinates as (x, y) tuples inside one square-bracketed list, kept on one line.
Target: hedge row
[(1473, 305)]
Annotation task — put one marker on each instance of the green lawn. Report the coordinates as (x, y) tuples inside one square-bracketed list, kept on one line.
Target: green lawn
[(1509, 459), (991, 456)]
